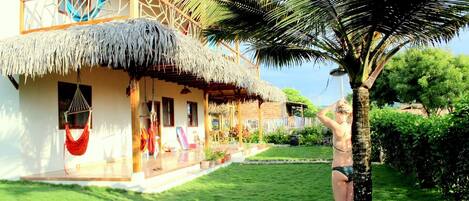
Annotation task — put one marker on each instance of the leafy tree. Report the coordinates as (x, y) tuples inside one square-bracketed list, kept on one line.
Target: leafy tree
[(360, 36), (430, 76), (294, 95)]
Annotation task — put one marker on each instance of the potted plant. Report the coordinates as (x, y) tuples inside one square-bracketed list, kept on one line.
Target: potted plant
[(219, 157), (205, 164), (227, 157)]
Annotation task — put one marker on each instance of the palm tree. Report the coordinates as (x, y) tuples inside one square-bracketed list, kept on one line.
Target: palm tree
[(358, 35)]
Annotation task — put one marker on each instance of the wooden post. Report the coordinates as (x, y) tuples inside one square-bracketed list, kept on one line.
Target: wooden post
[(231, 116), (135, 116), (240, 123), (260, 124), (22, 22), (206, 121), (133, 6), (221, 121)]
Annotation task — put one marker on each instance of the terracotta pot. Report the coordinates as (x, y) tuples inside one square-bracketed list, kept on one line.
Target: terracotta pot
[(219, 161), (204, 165), (227, 157), (212, 164)]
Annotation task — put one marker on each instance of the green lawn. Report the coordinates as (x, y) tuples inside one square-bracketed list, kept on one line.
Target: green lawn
[(236, 182), (241, 182), (295, 153)]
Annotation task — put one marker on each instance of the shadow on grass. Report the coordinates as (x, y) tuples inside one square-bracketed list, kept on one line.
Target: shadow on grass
[(389, 184)]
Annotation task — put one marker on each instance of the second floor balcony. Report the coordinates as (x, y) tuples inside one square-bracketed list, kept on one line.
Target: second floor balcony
[(44, 15)]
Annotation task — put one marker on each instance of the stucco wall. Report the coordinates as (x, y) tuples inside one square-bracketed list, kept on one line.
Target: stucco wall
[(11, 124)]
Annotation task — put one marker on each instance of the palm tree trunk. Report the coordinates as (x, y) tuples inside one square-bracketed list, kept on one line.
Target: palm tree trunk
[(361, 141)]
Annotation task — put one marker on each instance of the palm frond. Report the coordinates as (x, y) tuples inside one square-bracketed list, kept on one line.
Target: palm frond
[(419, 21), (279, 55)]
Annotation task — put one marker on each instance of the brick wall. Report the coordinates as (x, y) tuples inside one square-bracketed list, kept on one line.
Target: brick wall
[(270, 110)]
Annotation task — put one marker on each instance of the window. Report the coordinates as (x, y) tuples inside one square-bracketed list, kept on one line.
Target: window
[(168, 112), (65, 94), (192, 114)]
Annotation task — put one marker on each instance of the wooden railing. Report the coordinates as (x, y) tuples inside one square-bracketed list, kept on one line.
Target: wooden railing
[(169, 14), (43, 15)]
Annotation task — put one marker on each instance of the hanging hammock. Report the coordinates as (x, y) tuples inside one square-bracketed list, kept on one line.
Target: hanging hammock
[(77, 106), (153, 122), (143, 138), (76, 16)]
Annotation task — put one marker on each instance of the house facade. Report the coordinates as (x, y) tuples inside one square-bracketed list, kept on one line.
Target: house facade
[(39, 82)]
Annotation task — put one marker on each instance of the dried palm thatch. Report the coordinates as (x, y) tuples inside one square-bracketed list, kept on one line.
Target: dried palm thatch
[(136, 45), (219, 108)]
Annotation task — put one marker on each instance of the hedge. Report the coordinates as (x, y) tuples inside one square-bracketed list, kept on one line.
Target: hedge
[(435, 149)]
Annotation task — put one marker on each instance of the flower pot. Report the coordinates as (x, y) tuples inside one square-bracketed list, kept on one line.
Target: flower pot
[(212, 164), (219, 161), (204, 165), (227, 157)]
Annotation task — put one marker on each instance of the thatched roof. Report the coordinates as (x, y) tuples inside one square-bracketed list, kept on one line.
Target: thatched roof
[(219, 108), (134, 45)]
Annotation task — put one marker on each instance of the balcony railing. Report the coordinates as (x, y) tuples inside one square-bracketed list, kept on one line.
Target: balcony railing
[(43, 15), (171, 15), (39, 15)]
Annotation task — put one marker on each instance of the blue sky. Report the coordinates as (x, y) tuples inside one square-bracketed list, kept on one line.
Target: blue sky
[(311, 79)]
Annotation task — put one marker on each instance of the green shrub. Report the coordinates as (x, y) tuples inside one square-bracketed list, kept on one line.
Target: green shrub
[(454, 153), (279, 136), (435, 149), (313, 135), (254, 138)]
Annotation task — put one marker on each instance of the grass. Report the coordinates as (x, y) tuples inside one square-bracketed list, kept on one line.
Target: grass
[(236, 182), (295, 153), (241, 182)]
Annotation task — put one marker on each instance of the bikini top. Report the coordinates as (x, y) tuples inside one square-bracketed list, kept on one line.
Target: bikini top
[(340, 150)]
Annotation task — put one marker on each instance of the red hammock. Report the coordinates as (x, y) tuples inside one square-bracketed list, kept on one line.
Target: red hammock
[(77, 147), (143, 138), (151, 139)]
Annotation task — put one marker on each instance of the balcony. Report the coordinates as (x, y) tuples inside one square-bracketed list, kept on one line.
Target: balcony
[(44, 15)]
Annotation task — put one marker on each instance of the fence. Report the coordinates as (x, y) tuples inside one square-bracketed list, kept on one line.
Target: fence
[(287, 122)]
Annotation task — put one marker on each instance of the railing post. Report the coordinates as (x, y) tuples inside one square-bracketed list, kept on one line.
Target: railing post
[(22, 22), (133, 6)]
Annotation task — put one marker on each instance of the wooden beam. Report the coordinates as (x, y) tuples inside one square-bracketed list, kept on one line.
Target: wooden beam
[(260, 123), (240, 123), (135, 119), (64, 26), (206, 121)]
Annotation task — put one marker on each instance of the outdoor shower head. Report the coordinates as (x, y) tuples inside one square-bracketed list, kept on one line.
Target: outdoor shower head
[(338, 72)]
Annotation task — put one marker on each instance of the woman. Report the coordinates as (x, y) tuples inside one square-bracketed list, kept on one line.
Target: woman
[(342, 163)]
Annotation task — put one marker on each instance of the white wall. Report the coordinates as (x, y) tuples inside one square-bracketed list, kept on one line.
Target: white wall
[(42, 143), (172, 90), (11, 125)]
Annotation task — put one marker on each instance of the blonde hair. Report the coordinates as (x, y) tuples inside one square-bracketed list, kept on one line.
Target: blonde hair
[(343, 107)]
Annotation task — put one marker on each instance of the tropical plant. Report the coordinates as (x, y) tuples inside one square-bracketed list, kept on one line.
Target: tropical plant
[(360, 36)]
